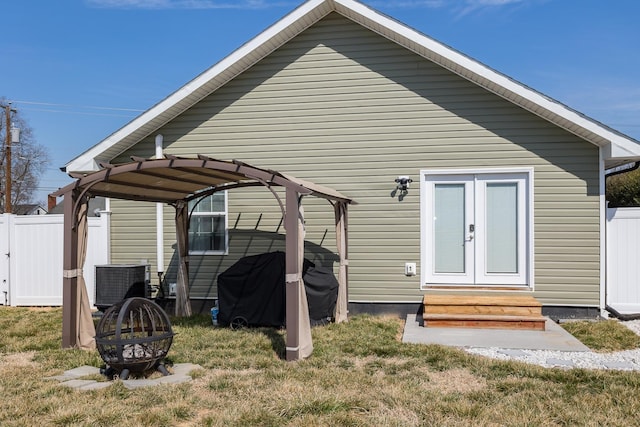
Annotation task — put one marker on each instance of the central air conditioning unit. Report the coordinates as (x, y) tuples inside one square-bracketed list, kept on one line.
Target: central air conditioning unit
[(116, 282)]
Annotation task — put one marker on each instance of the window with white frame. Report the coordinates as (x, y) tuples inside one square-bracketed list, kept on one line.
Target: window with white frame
[(208, 225)]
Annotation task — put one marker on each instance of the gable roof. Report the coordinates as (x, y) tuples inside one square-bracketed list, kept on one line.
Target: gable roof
[(618, 148), (29, 209)]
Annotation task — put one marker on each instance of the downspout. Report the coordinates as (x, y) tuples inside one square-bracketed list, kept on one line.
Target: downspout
[(603, 235), (159, 221)]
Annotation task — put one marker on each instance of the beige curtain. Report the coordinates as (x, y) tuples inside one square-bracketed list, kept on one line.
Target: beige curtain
[(85, 327), (304, 331), (183, 305), (341, 242)]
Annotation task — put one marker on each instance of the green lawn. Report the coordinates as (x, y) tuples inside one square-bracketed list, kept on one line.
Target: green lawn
[(360, 374)]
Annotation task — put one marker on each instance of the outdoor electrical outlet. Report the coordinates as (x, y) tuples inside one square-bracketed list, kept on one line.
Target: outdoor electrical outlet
[(410, 268)]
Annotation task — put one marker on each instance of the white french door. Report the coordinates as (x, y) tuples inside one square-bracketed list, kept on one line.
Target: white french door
[(476, 228)]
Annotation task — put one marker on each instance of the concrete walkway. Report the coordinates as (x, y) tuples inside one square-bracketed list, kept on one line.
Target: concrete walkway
[(74, 378)]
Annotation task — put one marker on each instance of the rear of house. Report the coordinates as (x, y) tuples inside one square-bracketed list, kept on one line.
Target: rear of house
[(497, 198)]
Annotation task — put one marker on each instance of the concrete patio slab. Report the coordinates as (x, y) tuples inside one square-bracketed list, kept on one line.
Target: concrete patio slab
[(553, 338)]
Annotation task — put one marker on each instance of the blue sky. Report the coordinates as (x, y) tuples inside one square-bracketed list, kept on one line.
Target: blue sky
[(78, 70)]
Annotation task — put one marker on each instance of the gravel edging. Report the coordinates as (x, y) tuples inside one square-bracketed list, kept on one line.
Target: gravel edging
[(628, 360)]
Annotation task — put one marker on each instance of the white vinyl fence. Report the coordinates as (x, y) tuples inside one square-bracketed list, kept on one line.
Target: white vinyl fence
[(31, 258), (623, 259), (31, 250)]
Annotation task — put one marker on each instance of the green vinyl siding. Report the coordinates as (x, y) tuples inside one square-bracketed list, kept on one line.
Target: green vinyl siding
[(343, 107)]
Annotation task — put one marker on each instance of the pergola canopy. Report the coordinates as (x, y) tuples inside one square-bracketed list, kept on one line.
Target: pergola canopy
[(174, 178), (176, 181)]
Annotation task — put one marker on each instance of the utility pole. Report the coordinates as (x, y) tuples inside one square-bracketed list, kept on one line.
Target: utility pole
[(7, 159), (7, 146)]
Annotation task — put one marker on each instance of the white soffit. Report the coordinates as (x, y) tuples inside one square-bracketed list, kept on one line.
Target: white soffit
[(308, 14)]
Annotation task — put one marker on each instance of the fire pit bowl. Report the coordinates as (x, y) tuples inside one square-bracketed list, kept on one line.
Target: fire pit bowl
[(134, 336)]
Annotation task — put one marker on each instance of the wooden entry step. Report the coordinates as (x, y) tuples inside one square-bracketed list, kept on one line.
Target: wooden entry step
[(483, 311)]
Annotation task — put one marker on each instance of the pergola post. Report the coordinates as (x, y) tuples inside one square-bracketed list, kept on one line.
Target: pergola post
[(342, 243), (298, 343), (77, 322), (183, 303), (70, 300)]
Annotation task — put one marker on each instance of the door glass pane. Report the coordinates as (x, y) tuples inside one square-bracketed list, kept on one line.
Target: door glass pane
[(502, 227), (449, 228)]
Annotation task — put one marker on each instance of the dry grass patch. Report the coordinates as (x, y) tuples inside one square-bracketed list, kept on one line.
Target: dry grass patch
[(12, 361), (457, 381), (360, 374)]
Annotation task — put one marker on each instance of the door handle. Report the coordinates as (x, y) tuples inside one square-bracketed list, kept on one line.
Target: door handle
[(472, 229)]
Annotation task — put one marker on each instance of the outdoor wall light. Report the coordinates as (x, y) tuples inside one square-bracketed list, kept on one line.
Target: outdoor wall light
[(403, 182)]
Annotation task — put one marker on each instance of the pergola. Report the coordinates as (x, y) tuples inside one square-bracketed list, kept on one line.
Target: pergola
[(176, 181)]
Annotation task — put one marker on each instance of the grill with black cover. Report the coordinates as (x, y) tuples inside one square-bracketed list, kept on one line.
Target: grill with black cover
[(252, 292)]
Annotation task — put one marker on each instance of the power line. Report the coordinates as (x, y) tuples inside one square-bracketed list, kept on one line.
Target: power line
[(69, 109), (91, 107), (75, 112), (136, 110)]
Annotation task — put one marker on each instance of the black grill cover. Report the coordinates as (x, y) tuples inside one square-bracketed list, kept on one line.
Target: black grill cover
[(254, 289), (322, 293)]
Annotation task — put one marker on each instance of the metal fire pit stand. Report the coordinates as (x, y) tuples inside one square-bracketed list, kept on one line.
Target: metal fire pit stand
[(133, 336)]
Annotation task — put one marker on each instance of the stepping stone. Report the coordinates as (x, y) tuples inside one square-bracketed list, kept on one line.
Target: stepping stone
[(133, 384), (71, 378), (83, 371), (77, 384), (560, 362), (63, 377), (96, 385), (185, 368), (174, 379), (71, 374), (614, 364), (512, 352)]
